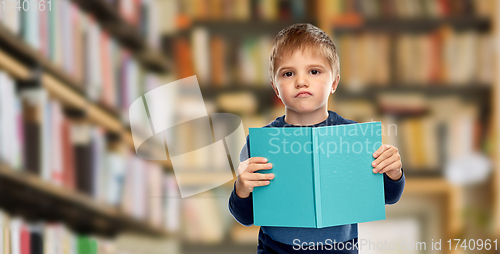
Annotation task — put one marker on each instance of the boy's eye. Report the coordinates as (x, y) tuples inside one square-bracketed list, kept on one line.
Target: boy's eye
[(288, 74), (314, 72)]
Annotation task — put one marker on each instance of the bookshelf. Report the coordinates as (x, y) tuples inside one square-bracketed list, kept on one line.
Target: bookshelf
[(27, 195), (19, 59), (341, 20), (476, 91), (37, 199)]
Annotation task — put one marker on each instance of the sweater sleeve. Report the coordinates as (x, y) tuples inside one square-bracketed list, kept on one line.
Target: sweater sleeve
[(393, 189), (242, 208)]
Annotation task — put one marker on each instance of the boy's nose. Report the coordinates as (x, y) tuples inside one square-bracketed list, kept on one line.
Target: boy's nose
[(300, 82)]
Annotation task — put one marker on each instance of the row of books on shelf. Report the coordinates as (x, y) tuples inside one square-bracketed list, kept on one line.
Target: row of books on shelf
[(441, 137), (444, 56), (205, 220), (19, 236), (75, 42), (220, 62), (35, 20), (407, 9), (243, 10), (436, 132), (37, 137), (22, 237)]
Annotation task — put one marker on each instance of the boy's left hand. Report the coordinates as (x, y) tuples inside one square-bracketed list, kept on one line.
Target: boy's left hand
[(387, 161)]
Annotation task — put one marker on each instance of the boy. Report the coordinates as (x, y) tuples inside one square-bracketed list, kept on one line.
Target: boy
[(304, 70)]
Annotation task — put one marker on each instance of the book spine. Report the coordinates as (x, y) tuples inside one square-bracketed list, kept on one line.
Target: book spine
[(316, 175)]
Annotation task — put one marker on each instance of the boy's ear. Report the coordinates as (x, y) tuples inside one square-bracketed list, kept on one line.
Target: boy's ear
[(335, 84), (275, 90)]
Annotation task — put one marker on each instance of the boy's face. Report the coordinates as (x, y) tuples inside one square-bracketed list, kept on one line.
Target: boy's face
[(304, 80)]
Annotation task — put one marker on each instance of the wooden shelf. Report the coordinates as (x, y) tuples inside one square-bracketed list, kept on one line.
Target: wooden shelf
[(421, 24), (126, 33), (435, 185), (264, 94), (436, 89), (237, 29), (29, 196)]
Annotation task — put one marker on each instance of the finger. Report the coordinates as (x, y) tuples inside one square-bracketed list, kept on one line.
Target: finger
[(257, 160), (386, 154), (259, 177), (393, 166), (255, 167), (258, 183), (380, 150), (244, 166), (385, 162)]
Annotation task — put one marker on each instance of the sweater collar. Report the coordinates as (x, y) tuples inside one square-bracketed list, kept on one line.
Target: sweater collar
[(331, 120)]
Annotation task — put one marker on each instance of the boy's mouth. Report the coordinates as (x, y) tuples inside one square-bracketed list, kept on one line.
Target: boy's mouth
[(303, 94)]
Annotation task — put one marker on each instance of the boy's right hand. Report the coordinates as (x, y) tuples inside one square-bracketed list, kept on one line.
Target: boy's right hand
[(248, 179)]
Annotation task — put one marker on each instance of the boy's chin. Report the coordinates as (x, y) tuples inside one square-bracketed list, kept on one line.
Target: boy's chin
[(303, 110)]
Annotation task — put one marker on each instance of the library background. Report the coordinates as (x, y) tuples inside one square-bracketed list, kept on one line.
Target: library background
[(71, 182)]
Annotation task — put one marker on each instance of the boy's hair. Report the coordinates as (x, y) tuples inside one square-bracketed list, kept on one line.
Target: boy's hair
[(301, 36)]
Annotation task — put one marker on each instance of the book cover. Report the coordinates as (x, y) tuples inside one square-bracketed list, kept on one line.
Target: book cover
[(323, 175), (24, 239), (86, 245), (36, 239), (68, 163)]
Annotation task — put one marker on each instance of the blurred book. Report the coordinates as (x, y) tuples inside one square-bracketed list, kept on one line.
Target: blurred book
[(11, 122)]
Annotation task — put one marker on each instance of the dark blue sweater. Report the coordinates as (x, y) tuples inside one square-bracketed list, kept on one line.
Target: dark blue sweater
[(242, 208)]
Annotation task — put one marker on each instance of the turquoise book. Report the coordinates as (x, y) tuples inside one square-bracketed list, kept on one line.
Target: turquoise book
[(323, 175)]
